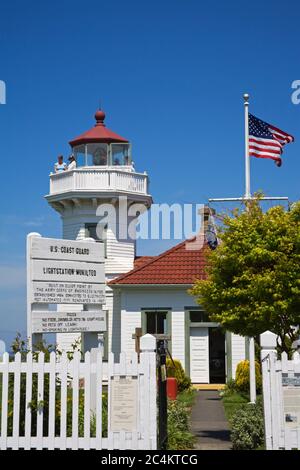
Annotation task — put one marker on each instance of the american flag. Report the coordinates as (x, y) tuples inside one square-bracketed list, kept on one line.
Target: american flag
[(266, 141)]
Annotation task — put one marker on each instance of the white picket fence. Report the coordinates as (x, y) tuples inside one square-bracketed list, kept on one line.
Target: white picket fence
[(281, 395), (70, 385)]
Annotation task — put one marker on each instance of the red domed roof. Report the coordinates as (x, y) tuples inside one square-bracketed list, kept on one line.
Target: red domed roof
[(98, 133)]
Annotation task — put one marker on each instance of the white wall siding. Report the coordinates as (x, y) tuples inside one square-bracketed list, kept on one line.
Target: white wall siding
[(178, 336), (129, 321), (134, 300), (108, 306), (238, 351), (114, 321), (71, 230), (120, 254)]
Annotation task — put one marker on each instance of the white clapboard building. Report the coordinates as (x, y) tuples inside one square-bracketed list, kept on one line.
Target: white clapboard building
[(146, 292)]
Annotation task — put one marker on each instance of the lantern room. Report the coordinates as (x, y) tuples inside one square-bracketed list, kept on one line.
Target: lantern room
[(101, 147), (104, 169)]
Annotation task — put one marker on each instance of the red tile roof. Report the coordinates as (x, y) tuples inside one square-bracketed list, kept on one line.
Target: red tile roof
[(182, 264), (140, 260)]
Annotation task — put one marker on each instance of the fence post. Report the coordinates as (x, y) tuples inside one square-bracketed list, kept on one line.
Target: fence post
[(148, 356), (267, 343), (268, 351)]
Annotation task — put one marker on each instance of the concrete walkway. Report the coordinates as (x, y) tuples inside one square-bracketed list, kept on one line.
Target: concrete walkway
[(208, 422)]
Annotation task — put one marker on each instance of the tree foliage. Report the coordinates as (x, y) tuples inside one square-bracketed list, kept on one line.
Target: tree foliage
[(253, 282)]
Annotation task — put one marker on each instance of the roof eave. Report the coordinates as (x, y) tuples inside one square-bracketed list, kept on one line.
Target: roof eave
[(180, 286), (95, 140)]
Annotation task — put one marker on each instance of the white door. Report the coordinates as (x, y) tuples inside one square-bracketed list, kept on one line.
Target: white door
[(199, 355)]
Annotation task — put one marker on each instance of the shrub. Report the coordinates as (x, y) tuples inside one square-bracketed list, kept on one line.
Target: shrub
[(242, 376), (179, 436), (229, 388), (175, 369), (247, 428)]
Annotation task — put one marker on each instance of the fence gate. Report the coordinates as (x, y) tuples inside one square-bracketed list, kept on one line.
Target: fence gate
[(281, 394), (62, 404)]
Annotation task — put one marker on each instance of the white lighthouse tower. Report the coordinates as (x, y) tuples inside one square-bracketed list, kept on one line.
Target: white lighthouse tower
[(104, 179)]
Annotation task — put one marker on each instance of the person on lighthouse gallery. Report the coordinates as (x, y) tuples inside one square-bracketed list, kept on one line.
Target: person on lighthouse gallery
[(60, 165), (72, 164)]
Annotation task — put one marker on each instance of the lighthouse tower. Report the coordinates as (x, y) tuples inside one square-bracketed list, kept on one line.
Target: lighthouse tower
[(104, 182)]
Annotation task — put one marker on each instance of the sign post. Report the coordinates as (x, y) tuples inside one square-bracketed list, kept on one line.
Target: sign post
[(69, 273)]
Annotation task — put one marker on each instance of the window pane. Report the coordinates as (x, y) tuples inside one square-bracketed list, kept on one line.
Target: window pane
[(156, 323), (98, 232), (198, 316), (97, 154), (161, 323), (120, 154), (79, 154), (91, 231), (151, 323)]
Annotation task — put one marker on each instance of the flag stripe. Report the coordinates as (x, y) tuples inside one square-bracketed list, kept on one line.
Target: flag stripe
[(265, 143), (264, 140), (265, 155), (255, 148)]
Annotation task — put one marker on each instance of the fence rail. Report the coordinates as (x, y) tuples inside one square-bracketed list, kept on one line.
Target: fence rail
[(59, 404)]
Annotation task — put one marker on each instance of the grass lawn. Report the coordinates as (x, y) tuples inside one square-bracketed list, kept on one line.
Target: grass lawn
[(187, 397), (234, 402)]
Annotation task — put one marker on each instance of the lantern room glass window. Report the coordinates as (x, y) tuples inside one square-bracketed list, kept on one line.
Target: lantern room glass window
[(120, 154), (101, 154), (79, 154), (97, 154)]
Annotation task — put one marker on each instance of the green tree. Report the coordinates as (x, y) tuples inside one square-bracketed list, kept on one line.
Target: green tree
[(253, 282)]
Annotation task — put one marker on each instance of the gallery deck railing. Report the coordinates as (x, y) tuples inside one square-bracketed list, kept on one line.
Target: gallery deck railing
[(96, 179)]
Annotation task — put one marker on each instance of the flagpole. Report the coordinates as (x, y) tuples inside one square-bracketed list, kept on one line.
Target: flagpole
[(247, 197), (247, 158)]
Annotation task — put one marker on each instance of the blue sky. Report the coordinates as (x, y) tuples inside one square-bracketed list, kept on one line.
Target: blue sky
[(170, 75)]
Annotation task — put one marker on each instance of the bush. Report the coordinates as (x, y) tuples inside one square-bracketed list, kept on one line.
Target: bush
[(179, 436), (229, 388), (175, 369), (247, 428), (242, 376)]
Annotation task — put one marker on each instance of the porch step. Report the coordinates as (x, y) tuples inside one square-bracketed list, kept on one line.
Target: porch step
[(208, 386)]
